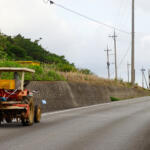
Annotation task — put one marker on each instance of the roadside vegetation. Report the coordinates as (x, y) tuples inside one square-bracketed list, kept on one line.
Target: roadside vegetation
[(41, 74), (52, 67), (18, 48), (114, 99), (51, 72)]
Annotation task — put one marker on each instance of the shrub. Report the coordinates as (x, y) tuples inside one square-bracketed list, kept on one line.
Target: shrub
[(114, 99), (65, 68), (86, 71), (9, 64), (55, 76)]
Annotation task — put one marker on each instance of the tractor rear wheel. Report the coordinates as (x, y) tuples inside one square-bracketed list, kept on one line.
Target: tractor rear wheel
[(29, 121), (37, 113)]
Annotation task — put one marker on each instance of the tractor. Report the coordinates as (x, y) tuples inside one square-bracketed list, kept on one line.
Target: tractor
[(16, 102)]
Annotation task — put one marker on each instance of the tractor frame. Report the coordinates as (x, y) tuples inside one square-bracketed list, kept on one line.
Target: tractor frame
[(17, 103)]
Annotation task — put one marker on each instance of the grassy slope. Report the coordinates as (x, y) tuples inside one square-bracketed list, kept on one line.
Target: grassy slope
[(47, 72), (40, 72), (53, 68)]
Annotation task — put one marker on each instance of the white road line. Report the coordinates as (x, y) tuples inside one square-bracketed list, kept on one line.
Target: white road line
[(72, 109), (86, 107)]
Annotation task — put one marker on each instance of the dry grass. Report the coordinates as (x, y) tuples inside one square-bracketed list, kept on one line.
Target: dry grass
[(79, 77), (92, 79)]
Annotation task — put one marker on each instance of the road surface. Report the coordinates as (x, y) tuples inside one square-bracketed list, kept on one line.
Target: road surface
[(123, 125)]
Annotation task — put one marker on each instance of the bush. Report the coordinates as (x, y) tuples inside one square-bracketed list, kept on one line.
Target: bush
[(55, 76), (86, 71), (42, 73), (65, 68), (9, 64), (18, 51), (38, 69), (114, 99)]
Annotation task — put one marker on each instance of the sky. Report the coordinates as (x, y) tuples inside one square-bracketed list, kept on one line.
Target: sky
[(82, 41)]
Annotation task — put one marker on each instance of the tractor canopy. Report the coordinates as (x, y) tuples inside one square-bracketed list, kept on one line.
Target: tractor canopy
[(15, 83), (12, 69)]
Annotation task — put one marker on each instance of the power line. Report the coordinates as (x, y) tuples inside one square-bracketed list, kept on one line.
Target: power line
[(123, 58), (124, 12), (86, 17), (119, 14)]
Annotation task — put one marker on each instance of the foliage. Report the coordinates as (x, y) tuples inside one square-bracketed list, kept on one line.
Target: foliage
[(65, 68), (20, 48), (3, 55), (9, 64), (86, 71), (114, 99), (55, 76), (40, 73)]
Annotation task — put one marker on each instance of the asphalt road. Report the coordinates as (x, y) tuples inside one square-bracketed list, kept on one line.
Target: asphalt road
[(121, 125)]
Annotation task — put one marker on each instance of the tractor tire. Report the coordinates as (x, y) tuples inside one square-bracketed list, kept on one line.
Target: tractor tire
[(8, 120), (29, 121), (1, 120), (37, 114), (23, 122)]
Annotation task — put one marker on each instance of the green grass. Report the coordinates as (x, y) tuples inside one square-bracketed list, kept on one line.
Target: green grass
[(41, 74), (113, 99)]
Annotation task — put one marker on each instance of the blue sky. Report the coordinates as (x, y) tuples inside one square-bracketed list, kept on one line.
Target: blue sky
[(82, 41)]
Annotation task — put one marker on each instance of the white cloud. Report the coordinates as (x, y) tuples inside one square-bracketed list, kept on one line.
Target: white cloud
[(80, 40), (143, 5)]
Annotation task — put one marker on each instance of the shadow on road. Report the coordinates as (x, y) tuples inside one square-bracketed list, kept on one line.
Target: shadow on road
[(12, 125)]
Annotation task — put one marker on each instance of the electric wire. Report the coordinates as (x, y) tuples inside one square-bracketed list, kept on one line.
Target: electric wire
[(124, 11), (93, 20), (86, 17), (120, 11), (123, 58), (125, 14)]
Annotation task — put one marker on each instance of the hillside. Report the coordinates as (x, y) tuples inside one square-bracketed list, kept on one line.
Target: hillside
[(56, 68), (53, 67), (20, 48)]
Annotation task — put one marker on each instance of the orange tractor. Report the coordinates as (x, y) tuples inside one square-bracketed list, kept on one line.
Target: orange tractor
[(17, 103)]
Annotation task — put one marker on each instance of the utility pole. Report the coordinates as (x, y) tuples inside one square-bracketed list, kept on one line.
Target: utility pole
[(128, 71), (108, 63), (142, 70), (133, 42), (143, 78), (149, 78), (115, 53), (145, 81)]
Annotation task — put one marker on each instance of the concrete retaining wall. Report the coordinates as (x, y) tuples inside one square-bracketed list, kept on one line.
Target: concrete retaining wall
[(63, 95)]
